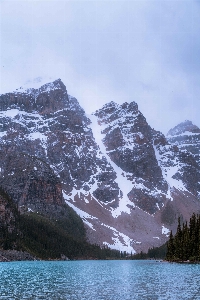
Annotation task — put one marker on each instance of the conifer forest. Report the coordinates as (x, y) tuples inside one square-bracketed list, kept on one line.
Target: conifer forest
[(185, 244)]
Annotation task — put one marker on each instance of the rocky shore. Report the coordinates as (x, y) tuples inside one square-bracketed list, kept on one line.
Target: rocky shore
[(14, 255)]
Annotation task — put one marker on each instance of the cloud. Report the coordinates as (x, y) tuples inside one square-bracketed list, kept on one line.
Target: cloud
[(143, 51)]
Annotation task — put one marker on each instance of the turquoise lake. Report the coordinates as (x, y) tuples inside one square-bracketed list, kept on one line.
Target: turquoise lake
[(109, 280)]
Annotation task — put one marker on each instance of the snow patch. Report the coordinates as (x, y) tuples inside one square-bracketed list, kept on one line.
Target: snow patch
[(168, 171), (35, 83), (30, 210), (80, 212), (3, 134), (165, 230), (118, 245), (84, 216), (10, 113)]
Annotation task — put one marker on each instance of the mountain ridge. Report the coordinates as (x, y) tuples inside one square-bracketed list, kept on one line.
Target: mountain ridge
[(127, 181)]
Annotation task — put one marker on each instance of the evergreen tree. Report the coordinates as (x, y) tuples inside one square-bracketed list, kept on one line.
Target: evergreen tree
[(178, 242), (170, 247), (185, 242)]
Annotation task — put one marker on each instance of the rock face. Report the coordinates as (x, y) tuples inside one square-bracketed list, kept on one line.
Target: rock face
[(128, 141), (127, 181), (187, 137), (14, 255), (30, 182), (8, 214)]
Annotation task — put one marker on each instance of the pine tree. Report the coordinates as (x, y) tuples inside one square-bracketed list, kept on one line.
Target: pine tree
[(185, 242), (170, 248), (178, 242), (192, 242)]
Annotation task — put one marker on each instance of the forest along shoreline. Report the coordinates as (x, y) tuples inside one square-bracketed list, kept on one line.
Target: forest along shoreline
[(184, 246)]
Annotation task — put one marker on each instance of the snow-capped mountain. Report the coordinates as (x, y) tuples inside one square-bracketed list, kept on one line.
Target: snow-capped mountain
[(125, 180)]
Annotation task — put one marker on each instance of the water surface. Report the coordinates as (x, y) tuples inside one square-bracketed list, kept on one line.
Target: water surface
[(95, 280)]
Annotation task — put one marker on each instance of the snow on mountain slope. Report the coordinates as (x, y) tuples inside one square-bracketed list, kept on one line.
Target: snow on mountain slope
[(36, 83), (170, 165), (124, 184), (179, 167), (112, 168)]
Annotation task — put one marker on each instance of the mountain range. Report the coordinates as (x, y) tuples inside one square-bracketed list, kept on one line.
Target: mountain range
[(128, 182)]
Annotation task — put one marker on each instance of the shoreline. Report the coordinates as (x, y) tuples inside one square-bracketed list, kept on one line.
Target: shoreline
[(15, 255)]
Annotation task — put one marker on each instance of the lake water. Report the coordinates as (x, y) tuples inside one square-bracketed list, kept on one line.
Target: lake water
[(95, 280)]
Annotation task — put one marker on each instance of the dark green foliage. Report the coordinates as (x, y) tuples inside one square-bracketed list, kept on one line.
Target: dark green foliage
[(153, 253), (140, 255), (185, 244), (48, 238), (73, 224), (44, 238), (170, 246), (158, 252)]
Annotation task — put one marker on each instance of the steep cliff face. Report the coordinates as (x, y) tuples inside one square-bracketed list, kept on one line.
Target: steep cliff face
[(9, 221), (179, 168), (8, 215), (128, 141), (30, 182)]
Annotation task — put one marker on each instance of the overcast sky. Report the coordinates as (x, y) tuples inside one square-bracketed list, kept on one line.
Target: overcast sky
[(104, 50)]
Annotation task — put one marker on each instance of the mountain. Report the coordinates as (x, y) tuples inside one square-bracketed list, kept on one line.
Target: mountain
[(155, 177), (125, 180)]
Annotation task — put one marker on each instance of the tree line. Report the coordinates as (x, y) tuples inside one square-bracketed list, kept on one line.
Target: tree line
[(48, 238), (152, 253)]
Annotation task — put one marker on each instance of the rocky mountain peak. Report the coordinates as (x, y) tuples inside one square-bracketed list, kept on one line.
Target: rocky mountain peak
[(184, 127), (186, 136), (45, 88), (112, 111), (46, 99), (38, 84), (130, 107), (107, 110), (56, 84)]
